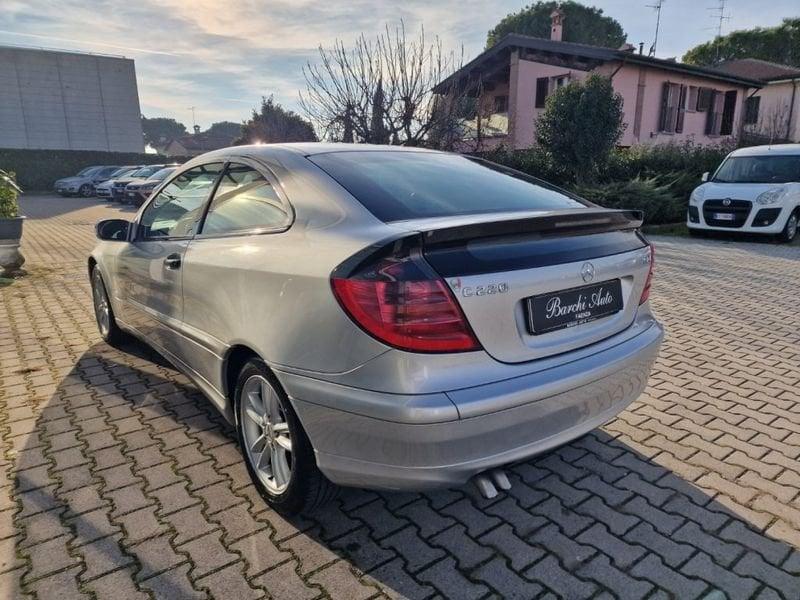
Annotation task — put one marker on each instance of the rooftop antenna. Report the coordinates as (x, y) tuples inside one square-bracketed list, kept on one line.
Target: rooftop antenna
[(194, 121), (657, 6), (721, 16)]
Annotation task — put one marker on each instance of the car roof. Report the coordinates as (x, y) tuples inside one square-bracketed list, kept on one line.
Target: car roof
[(773, 150), (301, 148)]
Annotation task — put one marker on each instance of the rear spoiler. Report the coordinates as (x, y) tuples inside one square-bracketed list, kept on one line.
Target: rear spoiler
[(563, 223)]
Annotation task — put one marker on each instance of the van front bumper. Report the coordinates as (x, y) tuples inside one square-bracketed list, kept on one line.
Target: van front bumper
[(412, 442)]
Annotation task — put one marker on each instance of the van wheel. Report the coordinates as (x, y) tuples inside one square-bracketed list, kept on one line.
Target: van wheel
[(277, 452), (790, 230)]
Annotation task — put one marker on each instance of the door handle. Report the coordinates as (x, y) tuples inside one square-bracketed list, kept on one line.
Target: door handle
[(173, 261)]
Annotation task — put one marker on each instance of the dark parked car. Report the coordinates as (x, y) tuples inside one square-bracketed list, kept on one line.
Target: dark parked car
[(139, 190)]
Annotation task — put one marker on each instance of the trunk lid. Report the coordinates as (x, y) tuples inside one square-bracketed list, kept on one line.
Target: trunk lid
[(494, 264)]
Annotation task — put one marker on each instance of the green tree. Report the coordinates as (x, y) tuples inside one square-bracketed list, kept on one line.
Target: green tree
[(582, 24), (780, 44), (580, 125), (161, 129), (225, 129), (273, 124)]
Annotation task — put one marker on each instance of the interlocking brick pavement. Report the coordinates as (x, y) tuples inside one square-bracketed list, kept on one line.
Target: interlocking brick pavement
[(120, 480)]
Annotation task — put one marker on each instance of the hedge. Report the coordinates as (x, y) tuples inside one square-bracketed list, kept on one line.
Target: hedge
[(37, 170), (655, 178)]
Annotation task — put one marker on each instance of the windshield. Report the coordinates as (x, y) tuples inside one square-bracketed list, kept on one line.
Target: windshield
[(160, 175), (88, 171), (759, 169), (145, 171), (122, 171), (396, 186)]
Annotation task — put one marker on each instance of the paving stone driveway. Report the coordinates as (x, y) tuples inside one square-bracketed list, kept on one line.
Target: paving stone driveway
[(119, 480)]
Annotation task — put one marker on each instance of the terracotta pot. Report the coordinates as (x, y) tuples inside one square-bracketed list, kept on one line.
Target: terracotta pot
[(11, 258)]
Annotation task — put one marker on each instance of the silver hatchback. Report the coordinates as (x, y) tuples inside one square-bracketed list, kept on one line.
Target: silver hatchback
[(383, 317)]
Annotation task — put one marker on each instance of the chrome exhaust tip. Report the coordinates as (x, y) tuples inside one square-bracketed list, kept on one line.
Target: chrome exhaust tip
[(490, 481)]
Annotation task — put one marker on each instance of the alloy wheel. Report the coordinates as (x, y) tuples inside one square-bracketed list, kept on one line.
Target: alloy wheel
[(267, 438), (102, 310)]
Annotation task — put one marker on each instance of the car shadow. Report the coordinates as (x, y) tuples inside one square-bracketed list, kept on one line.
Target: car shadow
[(593, 511)]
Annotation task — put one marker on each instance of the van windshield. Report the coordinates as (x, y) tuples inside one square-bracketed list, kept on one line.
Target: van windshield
[(759, 169)]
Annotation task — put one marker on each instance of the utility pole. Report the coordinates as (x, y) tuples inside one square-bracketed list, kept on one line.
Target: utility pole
[(657, 6)]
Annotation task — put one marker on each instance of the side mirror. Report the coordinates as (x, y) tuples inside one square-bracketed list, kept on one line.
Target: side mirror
[(704, 177), (112, 230)]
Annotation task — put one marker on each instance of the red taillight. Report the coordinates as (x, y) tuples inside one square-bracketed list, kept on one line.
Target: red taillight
[(402, 306), (646, 291)]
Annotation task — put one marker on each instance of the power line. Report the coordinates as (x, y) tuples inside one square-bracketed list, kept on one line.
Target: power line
[(657, 6)]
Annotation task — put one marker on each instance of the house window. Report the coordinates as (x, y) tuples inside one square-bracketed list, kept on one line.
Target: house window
[(673, 102), (542, 87), (559, 82), (501, 104), (704, 95), (691, 103), (728, 109), (751, 106)]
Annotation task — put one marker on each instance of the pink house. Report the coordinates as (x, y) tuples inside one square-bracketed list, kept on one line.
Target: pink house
[(664, 100)]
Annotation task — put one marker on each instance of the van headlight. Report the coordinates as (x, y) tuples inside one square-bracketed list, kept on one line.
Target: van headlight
[(697, 195), (772, 196)]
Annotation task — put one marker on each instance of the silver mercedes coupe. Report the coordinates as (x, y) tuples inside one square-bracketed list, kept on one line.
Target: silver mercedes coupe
[(382, 317)]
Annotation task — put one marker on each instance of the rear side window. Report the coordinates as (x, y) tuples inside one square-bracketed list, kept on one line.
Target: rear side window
[(396, 186), (244, 201)]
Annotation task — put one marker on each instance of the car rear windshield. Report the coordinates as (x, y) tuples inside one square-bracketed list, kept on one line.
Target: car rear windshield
[(759, 169), (396, 186)]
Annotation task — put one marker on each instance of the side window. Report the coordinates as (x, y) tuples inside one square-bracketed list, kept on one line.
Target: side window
[(177, 208), (244, 201)]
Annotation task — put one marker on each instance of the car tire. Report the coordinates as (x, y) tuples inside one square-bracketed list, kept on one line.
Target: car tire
[(104, 314), (266, 423), (85, 190), (789, 232)]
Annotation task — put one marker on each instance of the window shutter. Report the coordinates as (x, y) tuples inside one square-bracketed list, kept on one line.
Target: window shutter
[(681, 110), (542, 84), (663, 121)]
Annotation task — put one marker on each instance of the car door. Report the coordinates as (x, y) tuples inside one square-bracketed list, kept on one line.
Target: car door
[(150, 267), (229, 265)]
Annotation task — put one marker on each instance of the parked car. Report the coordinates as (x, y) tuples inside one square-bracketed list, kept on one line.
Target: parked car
[(754, 190), (118, 189), (383, 317), (139, 190), (84, 182), (103, 190)]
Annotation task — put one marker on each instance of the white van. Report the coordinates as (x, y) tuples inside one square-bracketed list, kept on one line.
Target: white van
[(754, 190)]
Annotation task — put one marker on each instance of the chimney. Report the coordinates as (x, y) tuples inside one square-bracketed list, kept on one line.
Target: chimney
[(196, 129), (557, 24), (641, 47)]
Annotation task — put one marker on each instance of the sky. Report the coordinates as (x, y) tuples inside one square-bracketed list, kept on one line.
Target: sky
[(222, 57)]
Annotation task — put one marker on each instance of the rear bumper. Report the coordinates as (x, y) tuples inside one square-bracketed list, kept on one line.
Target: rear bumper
[(385, 441)]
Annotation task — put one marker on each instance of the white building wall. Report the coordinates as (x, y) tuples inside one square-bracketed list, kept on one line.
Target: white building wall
[(64, 100)]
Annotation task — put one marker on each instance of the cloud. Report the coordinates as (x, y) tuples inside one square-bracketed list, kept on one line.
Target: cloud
[(222, 57)]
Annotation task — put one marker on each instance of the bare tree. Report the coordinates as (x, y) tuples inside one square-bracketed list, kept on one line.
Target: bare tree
[(382, 90)]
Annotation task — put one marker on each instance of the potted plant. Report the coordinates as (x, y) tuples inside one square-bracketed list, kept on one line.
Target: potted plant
[(11, 258)]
